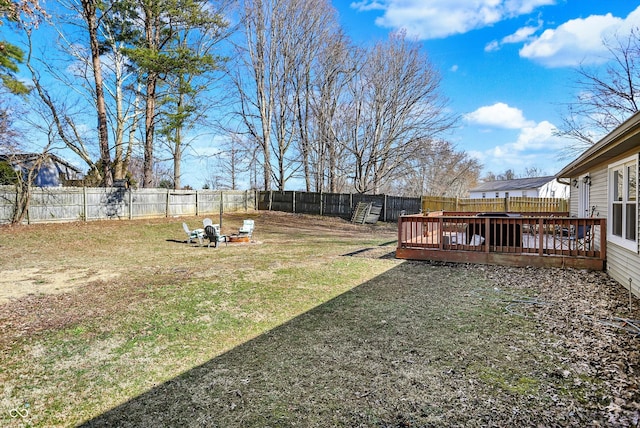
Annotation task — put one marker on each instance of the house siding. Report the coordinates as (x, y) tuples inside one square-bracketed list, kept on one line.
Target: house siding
[(622, 265), (598, 191), (553, 189)]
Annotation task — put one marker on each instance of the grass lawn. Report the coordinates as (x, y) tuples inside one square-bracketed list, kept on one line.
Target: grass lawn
[(314, 324)]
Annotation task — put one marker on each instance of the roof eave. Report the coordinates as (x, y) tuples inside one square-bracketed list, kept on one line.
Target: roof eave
[(622, 139)]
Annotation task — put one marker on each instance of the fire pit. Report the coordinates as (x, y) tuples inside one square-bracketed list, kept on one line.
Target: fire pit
[(238, 238)]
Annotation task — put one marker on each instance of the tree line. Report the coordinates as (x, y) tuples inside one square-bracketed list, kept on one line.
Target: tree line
[(276, 86), (285, 92)]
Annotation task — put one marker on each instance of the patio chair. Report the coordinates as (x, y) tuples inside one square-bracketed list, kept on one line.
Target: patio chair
[(212, 231), (207, 222), (193, 234), (581, 237), (246, 228)]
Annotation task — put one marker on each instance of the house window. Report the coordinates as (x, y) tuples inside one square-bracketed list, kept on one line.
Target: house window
[(623, 203), (497, 194), (484, 195), (506, 194), (524, 193)]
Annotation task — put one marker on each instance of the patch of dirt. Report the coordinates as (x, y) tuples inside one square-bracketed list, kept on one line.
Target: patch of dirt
[(15, 284)]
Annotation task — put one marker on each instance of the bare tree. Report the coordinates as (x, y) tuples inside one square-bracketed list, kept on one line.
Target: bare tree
[(395, 104), (323, 155), (437, 168), (605, 97), (508, 174), (104, 81), (533, 171), (226, 167), (26, 167), (273, 82)]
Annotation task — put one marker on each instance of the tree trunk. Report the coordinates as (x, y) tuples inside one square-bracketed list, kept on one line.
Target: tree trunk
[(90, 10)]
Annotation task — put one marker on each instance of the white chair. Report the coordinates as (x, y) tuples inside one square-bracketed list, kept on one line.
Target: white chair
[(193, 234), (247, 228), (207, 222)]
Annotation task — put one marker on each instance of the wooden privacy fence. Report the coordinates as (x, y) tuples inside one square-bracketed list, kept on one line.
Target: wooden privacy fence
[(336, 204), (53, 204), (510, 204)]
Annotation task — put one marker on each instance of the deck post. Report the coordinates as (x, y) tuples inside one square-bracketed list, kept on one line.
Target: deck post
[(487, 225), (541, 236)]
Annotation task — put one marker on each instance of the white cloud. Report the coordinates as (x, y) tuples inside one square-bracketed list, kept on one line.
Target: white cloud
[(492, 46), (499, 115), (521, 35), (578, 40), (454, 68), (535, 145), (431, 19), (532, 143), (367, 5)]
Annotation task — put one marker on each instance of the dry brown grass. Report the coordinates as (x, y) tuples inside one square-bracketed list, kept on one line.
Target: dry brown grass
[(316, 324)]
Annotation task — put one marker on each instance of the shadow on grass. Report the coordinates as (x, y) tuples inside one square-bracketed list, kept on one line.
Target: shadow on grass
[(411, 347), (179, 241)]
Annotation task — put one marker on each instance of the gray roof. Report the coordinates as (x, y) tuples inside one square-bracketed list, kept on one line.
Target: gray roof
[(517, 184), (17, 158)]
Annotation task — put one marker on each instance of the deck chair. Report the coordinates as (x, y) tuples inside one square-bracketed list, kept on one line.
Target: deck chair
[(212, 231), (193, 234), (207, 222), (581, 236), (246, 228)]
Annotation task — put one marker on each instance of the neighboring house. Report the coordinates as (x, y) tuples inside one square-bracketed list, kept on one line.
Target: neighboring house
[(53, 171), (536, 187), (604, 183)]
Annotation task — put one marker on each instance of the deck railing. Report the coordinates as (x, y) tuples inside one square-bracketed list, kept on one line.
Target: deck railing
[(489, 238)]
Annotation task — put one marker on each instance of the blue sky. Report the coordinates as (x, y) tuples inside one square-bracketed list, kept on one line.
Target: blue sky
[(507, 66)]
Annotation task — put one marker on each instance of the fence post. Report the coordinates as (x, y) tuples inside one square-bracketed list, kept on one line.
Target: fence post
[(506, 204), (246, 200), (197, 213), (457, 204), (166, 210), (384, 208), (130, 203), (270, 199), (321, 207), (221, 208), (84, 203), (293, 201)]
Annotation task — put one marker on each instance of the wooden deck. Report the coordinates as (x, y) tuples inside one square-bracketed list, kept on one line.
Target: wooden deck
[(516, 240)]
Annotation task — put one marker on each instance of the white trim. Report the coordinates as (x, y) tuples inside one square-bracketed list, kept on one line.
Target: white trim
[(631, 245)]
